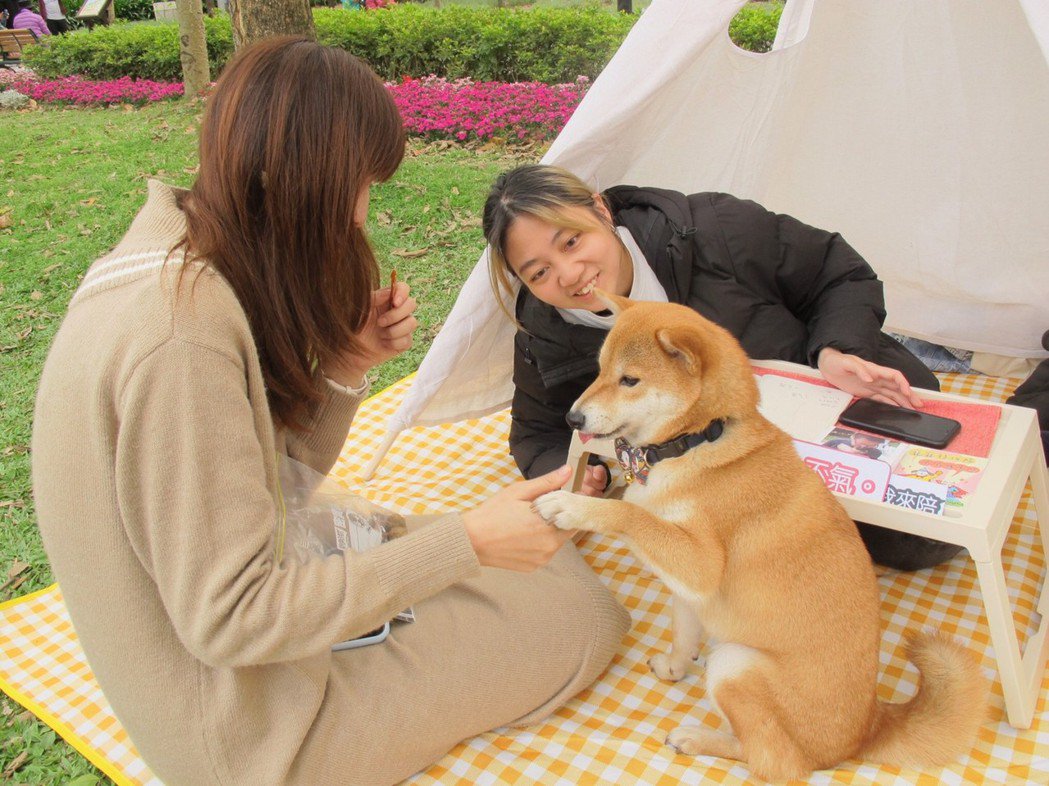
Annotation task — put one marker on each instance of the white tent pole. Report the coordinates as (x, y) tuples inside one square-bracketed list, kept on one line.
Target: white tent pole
[(392, 432)]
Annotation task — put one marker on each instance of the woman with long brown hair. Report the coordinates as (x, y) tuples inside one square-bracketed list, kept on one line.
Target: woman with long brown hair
[(234, 326)]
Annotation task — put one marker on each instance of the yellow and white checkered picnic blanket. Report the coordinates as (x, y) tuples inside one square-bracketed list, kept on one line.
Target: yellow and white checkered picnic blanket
[(613, 732)]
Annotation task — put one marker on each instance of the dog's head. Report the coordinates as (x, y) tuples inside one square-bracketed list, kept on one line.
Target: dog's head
[(665, 371)]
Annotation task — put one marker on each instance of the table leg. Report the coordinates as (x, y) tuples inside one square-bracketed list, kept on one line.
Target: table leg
[(1040, 496), (1019, 698)]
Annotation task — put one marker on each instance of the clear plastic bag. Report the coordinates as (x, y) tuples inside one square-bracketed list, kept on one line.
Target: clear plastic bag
[(320, 518)]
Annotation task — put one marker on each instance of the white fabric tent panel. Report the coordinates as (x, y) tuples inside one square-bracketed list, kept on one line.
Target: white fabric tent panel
[(904, 126), (916, 128)]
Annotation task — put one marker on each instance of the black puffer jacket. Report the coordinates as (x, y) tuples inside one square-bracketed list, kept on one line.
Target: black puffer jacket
[(784, 289)]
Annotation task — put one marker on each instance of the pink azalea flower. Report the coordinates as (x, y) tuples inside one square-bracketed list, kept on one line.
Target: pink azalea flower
[(431, 107)]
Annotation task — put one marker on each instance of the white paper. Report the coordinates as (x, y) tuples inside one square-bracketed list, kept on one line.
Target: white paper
[(806, 412)]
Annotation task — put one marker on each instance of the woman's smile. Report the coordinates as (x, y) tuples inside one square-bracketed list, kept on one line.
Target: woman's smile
[(588, 288)]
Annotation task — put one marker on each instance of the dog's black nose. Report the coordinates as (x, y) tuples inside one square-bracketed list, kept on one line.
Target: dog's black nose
[(576, 419)]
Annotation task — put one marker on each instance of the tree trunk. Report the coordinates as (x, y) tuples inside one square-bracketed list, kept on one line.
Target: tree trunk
[(625, 5), (192, 46), (253, 20)]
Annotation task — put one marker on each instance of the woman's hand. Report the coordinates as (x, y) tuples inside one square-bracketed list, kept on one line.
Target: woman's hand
[(506, 533), (387, 334), (595, 479), (865, 379)]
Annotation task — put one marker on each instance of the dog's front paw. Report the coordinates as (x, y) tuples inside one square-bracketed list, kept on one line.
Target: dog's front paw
[(667, 667), (561, 508)]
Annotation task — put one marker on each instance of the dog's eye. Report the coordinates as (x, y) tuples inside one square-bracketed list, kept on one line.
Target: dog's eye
[(628, 382)]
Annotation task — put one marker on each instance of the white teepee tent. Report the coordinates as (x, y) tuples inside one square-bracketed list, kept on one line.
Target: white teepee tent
[(916, 128)]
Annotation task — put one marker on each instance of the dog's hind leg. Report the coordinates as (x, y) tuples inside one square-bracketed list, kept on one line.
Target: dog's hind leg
[(741, 691), (673, 664), (697, 741)]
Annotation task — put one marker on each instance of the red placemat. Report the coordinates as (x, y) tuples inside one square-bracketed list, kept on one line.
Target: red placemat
[(979, 421)]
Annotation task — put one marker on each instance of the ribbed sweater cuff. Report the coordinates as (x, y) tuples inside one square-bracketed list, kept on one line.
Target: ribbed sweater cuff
[(427, 560), (327, 434)]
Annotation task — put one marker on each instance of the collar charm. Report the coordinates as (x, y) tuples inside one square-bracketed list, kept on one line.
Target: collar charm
[(632, 460), (636, 462)]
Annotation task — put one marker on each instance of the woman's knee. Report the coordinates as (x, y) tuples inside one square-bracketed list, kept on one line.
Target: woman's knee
[(598, 624), (902, 550), (610, 619)]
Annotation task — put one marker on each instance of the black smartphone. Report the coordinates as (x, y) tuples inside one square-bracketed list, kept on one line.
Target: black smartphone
[(907, 425)]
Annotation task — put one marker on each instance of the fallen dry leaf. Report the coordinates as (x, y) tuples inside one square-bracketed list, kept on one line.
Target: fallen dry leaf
[(404, 253), (15, 765)]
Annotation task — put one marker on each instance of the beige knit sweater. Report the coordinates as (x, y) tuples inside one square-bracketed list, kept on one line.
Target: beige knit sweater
[(155, 474)]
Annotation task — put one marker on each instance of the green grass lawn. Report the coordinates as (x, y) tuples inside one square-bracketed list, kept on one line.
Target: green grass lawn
[(70, 183)]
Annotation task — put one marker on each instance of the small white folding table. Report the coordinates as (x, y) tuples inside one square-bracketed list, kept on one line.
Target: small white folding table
[(1016, 458)]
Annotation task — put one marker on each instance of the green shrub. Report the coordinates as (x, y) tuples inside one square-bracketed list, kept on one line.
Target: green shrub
[(754, 27), (145, 51), (508, 45), (133, 10), (544, 44)]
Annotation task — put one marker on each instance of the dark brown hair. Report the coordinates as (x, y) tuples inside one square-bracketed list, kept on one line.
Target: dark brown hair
[(294, 132)]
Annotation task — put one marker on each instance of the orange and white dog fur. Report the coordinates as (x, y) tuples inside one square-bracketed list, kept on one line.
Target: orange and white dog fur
[(760, 556)]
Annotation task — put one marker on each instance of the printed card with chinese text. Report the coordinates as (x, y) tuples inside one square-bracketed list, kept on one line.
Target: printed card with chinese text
[(914, 494), (846, 473)]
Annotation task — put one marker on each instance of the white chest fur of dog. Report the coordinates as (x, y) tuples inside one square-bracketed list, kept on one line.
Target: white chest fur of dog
[(760, 556)]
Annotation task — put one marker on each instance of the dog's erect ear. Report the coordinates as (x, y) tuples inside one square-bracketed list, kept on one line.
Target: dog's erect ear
[(679, 345), (615, 303)]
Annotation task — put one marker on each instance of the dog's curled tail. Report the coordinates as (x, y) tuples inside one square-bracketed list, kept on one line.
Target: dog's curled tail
[(940, 722)]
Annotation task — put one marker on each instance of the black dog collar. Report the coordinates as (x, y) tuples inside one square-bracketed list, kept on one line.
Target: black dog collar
[(636, 462)]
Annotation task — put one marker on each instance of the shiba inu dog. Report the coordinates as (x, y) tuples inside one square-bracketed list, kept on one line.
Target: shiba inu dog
[(759, 554)]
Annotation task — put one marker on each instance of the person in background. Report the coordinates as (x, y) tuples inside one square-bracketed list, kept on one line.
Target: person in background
[(54, 14), (859, 444), (1034, 393), (786, 290), (232, 328), (28, 19), (8, 9)]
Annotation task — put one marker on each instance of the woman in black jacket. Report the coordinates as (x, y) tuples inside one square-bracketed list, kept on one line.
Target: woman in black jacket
[(786, 290)]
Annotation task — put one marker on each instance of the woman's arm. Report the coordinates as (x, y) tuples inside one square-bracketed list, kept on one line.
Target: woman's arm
[(831, 288), (196, 486), (539, 435), (825, 284), (387, 334), (539, 443), (865, 379)]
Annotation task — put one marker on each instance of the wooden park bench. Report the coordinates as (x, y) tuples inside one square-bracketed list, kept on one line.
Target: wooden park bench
[(12, 43)]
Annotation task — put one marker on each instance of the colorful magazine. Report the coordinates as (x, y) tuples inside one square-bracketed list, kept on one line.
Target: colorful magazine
[(958, 472)]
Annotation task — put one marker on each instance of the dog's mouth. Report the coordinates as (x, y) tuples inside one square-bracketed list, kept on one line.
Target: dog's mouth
[(586, 436)]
